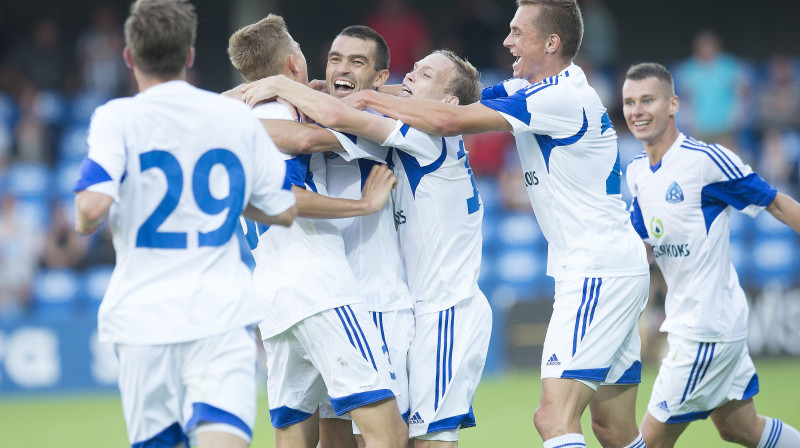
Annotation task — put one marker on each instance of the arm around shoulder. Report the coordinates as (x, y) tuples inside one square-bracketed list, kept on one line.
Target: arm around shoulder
[(284, 218), (786, 210)]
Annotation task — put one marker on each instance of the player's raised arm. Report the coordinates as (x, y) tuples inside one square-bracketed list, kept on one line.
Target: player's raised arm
[(786, 210), (300, 138), (322, 108), (373, 196), (433, 117)]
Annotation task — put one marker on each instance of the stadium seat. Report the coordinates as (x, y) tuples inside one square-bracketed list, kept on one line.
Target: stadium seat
[(72, 145), (56, 293), (66, 174), (489, 229), (27, 180), (767, 225), (519, 230), (523, 271), (741, 225), (9, 110), (50, 106), (83, 104), (490, 194), (33, 213), (742, 260), (775, 261), (95, 283)]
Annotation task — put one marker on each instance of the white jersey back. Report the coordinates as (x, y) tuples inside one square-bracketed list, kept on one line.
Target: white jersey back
[(370, 241), (302, 269), (681, 207), (570, 163), (181, 164), (438, 213)]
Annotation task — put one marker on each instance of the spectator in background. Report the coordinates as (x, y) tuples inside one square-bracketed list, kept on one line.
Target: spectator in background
[(42, 62), (710, 82), (779, 102), (99, 48), (405, 31), (63, 248), (32, 136), (19, 253)]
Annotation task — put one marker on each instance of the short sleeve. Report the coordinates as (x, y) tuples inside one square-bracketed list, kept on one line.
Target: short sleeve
[(354, 147), (424, 147), (541, 108), (270, 190), (503, 89), (104, 166)]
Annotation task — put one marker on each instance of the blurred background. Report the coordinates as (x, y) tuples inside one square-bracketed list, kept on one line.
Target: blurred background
[(737, 71)]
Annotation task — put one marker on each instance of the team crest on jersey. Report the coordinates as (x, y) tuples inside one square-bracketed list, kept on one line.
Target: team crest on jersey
[(331, 155), (656, 227), (674, 193)]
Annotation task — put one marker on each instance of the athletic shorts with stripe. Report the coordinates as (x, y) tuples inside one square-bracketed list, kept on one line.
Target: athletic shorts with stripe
[(445, 365), (593, 334), (697, 377), (168, 390), (335, 355)]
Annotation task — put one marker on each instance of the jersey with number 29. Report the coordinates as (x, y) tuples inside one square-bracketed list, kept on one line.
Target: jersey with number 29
[(180, 164), (570, 162)]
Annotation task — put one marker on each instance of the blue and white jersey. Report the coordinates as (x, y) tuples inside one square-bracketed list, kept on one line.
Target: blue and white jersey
[(370, 241), (301, 269), (181, 164), (570, 163), (438, 213), (682, 208)]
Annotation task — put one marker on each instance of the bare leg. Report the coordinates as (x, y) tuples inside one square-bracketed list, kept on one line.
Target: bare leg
[(562, 404), (300, 435), (661, 435), (434, 444), (738, 422), (336, 433), (217, 439), (381, 424), (614, 415)]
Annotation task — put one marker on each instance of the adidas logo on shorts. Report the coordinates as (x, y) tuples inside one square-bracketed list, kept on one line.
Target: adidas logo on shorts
[(416, 419), (553, 361), (663, 406)]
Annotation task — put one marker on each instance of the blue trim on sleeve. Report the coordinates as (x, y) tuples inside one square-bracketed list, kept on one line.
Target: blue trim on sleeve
[(415, 172), (285, 416), (548, 143), (296, 171), (638, 220), (91, 173), (404, 129), (493, 92), (752, 388), (204, 412), (690, 417), (350, 402), (168, 438), (739, 193), (633, 375), (587, 374), (353, 138), (457, 421)]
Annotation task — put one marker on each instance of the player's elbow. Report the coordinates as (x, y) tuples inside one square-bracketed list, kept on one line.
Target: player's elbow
[(286, 218)]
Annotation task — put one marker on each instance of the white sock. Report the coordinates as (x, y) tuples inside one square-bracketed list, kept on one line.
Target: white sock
[(778, 435), (638, 443), (566, 441)]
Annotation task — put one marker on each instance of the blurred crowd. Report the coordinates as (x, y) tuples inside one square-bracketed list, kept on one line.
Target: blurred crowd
[(49, 86)]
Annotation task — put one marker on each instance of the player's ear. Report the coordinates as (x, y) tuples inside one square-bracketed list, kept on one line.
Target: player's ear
[(126, 56), (189, 58), (552, 44), (674, 105), (291, 65), (380, 79), (452, 99)]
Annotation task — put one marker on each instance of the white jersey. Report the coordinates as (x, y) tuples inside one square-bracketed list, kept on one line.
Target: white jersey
[(570, 163), (370, 241), (302, 269), (681, 207), (181, 164), (438, 214)]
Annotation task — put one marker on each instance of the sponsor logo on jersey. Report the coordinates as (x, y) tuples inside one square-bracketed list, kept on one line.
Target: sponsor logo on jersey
[(674, 193), (553, 361), (656, 227), (399, 218), (416, 419), (531, 179), (671, 250)]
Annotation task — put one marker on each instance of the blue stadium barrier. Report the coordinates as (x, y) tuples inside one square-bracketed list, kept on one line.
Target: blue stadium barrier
[(775, 261), (28, 180), (519, 229), (523, 272), (56, 293)]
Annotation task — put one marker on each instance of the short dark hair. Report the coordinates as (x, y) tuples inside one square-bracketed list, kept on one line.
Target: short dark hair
[(646, 70), (159, 35), (465, 84), (562, 17), (258, 50), (363, 32)]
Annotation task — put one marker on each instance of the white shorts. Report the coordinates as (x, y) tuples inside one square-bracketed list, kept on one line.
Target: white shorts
[(593, 335), (445, 364), (335, 355), (167, 390), (697, 377)]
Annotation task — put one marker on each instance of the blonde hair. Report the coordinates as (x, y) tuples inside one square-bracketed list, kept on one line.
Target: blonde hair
[(258, 50), (465, 83)]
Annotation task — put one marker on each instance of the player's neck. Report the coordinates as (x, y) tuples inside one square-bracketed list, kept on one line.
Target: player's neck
[(144, 81), (554, 68), (657, 149)]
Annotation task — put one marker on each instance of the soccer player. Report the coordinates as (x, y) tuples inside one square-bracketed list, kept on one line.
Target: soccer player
[(438, 213), (570, 163), (683, 191), (319, 343), (174, 167)]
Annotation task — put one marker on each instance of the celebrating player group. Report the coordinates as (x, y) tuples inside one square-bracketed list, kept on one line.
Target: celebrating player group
[(364, 219)]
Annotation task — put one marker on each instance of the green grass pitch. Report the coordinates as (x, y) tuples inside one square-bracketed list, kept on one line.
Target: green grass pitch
[(503, 406)]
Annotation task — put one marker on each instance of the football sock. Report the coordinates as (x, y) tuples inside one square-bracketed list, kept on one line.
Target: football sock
[(778, 435), (566, 441), (638, 443)]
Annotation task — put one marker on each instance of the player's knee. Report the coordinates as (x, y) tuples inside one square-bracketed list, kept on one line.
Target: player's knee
[(603, 432), (732, 434), (546, 421)]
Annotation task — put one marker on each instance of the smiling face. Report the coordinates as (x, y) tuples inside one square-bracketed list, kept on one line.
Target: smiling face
[(351, 66), (649, 107), (526, 45), (430, 79)]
